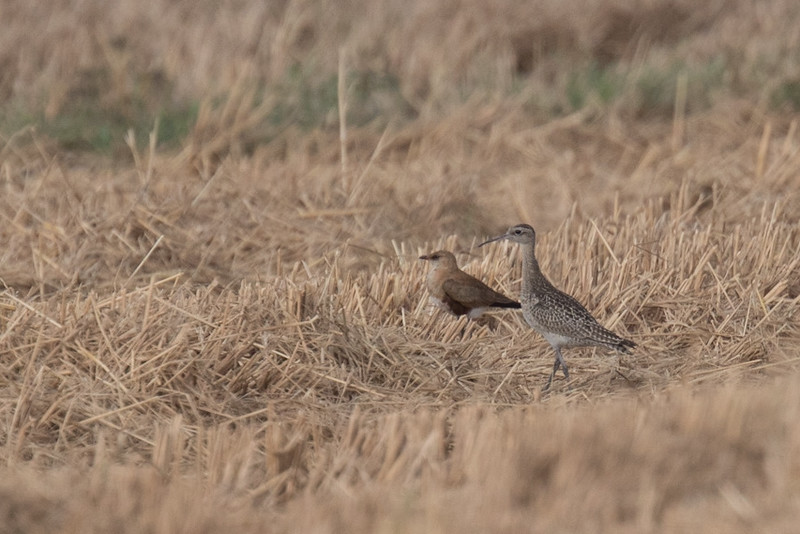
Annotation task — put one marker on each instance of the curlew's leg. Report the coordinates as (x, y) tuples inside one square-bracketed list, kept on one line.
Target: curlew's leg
[(556, 364), (560, 359)]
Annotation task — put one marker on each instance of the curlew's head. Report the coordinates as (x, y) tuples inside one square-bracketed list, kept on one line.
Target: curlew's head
[(520, 233), (441, 258)]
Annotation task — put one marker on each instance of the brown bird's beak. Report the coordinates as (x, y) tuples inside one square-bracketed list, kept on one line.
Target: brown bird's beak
[(425, 257), (498, 238)]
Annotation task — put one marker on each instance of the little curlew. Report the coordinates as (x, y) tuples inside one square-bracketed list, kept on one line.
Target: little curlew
[(558, 317), (459, 293)]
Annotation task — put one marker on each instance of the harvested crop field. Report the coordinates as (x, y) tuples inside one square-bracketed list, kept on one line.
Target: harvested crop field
[(213, 317)]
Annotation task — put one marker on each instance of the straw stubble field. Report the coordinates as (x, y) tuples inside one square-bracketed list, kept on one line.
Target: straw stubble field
[(235, 335)]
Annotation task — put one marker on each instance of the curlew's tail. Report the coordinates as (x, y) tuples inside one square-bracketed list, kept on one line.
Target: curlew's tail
[(606, 338), (625, 345)]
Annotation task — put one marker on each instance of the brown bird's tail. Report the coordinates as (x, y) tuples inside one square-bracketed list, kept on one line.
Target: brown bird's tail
[(512, 304)]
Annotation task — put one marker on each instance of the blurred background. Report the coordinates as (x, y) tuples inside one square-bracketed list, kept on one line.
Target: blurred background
[(459, 116)]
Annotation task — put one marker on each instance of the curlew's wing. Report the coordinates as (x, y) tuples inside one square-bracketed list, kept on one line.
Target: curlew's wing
[(562, 314)]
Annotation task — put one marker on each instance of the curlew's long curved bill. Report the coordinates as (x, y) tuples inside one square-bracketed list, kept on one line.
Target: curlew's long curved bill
[(498, 238)]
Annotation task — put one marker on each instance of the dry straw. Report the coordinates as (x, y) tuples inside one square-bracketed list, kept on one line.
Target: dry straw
[(235, 336)]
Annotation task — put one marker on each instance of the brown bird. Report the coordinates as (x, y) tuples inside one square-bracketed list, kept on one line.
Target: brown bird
[(558, 317), (459, 293)]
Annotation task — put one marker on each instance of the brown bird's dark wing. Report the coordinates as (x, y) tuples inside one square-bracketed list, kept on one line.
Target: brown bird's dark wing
[(456, 308), (473, 293)]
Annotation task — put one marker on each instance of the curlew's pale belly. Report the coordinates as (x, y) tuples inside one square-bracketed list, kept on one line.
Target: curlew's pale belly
[(555, 339)]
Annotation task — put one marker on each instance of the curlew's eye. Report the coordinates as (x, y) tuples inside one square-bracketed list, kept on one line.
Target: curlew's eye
[(518, 232)]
